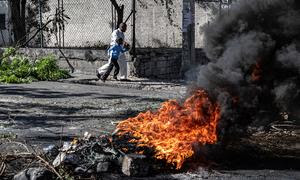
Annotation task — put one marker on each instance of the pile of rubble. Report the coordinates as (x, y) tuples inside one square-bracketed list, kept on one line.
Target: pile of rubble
[(92, 156)]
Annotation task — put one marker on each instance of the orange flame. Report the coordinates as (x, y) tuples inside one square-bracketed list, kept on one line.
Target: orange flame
[(173, 129)]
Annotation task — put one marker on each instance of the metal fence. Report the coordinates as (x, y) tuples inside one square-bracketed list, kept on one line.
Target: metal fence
[(87, 23), (64, 23)]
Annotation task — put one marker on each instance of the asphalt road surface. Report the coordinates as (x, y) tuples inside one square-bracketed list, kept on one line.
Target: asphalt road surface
[(47, 112)]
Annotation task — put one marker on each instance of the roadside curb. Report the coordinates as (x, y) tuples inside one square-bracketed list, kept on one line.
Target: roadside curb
[(135, 83), (97, 83)]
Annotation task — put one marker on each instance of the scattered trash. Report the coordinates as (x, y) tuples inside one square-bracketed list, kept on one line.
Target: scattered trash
[(284, 115), (59, 159), (87, 136)]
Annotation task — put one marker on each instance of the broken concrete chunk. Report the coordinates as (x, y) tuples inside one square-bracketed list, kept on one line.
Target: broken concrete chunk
[(135, 165), (72, 159), (103, 167), (63, 157), (103, 157)]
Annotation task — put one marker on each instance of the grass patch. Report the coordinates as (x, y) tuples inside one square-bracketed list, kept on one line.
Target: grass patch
[(16, 68)]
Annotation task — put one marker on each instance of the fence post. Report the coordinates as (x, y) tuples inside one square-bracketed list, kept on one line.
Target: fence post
[(41, 25), (188, 35), (63, 23), (133, 28), (59, 28), (112, 18)]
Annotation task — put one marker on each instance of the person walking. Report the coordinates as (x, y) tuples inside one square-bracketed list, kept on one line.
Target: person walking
[(114, 52), (117, 34)]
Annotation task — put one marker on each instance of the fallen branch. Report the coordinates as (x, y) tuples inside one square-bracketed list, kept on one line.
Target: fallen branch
[(68, 62), (49, 166), (2, 168)]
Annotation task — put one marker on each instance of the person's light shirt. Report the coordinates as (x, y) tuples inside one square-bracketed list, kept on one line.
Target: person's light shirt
[(116, 34)]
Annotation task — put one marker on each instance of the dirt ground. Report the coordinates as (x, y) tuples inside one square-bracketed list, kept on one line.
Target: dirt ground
[(44, 113)]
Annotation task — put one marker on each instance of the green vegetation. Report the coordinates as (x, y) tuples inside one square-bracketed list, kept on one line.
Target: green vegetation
[(16, 68)]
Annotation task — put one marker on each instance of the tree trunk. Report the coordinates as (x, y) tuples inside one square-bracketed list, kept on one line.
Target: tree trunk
[(120, 11), (18, 11)]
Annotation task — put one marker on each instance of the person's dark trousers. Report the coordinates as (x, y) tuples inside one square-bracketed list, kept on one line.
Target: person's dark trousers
[(113, 63)]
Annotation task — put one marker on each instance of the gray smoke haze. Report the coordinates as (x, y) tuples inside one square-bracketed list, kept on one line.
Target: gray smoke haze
[(254, 71)]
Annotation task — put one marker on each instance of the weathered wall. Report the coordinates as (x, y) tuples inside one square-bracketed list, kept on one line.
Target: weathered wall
[(158, 63), (84, 61), (158, 23), (150, 62)]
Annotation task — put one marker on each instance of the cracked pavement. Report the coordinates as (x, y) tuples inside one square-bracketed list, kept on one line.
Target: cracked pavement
[(47, 112), (44, 113)]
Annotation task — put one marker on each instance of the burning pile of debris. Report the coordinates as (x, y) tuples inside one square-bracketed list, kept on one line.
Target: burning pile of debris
[(86, 157), (95, 155), (151, 142)]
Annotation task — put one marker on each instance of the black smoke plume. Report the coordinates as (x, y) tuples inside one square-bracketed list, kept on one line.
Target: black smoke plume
[(254, 72)]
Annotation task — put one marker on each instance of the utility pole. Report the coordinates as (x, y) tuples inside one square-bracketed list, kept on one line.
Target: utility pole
[(188, 35)]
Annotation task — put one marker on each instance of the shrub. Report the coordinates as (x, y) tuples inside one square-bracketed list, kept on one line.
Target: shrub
[(47, 69), (16, 68)]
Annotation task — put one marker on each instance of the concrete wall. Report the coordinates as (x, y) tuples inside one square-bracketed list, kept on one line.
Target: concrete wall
[(163, 64), (84, 61), (150, 62), (155, 63), (158, 23)]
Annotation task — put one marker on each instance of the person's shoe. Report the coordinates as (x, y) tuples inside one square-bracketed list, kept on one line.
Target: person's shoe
[(103, 80), (98, 75), (115, 78)]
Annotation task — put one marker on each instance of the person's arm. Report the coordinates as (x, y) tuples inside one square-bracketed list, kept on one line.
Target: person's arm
[(125, 47)]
